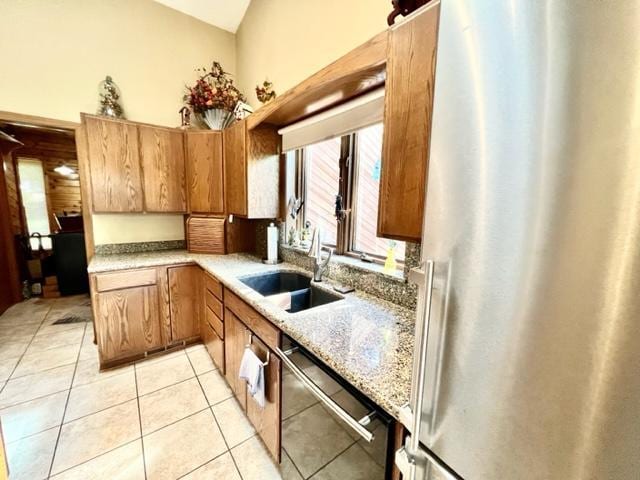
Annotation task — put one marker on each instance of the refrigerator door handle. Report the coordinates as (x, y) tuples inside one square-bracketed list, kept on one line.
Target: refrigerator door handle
[(410, 415)]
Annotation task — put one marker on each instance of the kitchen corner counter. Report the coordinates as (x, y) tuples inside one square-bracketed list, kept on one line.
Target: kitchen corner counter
[(367, 341)]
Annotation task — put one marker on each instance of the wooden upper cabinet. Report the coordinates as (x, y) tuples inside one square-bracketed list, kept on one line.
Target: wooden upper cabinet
[(235, 174), (252, 170), (411, 61), (116, 180), (185, 301), (205, 177), (163, 169)]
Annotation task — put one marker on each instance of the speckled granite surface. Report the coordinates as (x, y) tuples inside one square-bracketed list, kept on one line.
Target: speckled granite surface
[(349, 271), (368, 341), (112, 248)]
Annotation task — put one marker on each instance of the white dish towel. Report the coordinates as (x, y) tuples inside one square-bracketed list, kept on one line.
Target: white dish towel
[(252, 370)]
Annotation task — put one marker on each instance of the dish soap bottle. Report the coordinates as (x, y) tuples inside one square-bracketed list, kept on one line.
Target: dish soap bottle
[(390, 263)]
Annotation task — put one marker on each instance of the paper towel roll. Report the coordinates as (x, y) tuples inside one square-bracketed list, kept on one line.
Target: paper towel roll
[(272, 243)]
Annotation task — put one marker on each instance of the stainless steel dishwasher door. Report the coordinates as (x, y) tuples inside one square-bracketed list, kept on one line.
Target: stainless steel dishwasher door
[(325, 427)]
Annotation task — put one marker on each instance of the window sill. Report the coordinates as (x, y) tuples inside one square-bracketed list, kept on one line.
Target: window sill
[(355, 263)]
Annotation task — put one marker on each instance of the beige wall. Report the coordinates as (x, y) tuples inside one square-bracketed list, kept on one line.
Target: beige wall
[(288, 40), (130, 228), (55, 52)]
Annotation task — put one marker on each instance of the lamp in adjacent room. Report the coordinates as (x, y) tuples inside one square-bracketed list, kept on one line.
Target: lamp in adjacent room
[(64, 170)]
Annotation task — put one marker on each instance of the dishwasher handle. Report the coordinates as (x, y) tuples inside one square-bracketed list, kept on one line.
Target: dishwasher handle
[(326, 399)]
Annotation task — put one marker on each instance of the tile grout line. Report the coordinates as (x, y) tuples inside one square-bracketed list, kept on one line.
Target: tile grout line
[(39, 431), (206, 463), (55, 449), (355, 442), (97, 411), (36, 398), (302, 411), (105, 378), (216, 422), (93, 458), (144, 460), (25, 350), (291, 460), (45, 370)]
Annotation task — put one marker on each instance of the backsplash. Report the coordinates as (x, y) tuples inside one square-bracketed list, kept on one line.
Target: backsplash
[(387, 287), (137, 247)]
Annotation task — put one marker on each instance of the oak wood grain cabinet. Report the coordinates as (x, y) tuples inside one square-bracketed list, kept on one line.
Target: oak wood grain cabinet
[(266, 420), (184, 301), (252, 170), (212, 324), (116, 179), (127, 317), (205, 171), (163, 169), (236, 336), (212, 340), (411, 60), (245, 326)]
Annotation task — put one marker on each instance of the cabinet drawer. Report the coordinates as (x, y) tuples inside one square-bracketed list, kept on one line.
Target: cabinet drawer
[(214, 286), (215, 322), (214, 345), (214, 304), (259, 325), (129, 279)]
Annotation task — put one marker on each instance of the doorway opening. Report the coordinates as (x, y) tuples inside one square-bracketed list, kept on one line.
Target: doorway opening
[(43, 206)]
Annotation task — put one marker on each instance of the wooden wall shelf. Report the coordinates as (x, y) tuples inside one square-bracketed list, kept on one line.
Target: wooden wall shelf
[(359, 71)]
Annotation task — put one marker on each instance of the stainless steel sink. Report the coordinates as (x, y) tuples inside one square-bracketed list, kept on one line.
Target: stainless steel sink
[(293, 291)]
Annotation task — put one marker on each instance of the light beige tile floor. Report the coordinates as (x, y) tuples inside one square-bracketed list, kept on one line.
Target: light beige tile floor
[(168, 417)]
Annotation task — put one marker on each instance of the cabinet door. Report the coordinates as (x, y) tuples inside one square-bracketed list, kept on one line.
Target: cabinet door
[(114, 164), (205, 177), (162, 159), (184, 301), (407, 126), (128, 322), (235, 338), (235, 168), (267, 420), (263, 172)]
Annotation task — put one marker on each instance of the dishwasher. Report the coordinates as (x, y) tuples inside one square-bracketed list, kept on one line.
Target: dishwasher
[(329, 428)]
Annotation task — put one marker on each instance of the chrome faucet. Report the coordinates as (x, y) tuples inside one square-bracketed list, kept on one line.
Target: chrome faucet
[(315, 252)]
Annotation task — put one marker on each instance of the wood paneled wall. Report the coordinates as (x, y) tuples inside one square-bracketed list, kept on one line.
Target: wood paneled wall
[(63, 191), (53, 149)]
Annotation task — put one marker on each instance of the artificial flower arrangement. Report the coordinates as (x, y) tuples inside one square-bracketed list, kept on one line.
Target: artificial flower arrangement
[(214, 97)]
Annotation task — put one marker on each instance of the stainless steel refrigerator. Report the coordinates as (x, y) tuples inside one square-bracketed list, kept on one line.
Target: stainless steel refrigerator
[(527, 361)]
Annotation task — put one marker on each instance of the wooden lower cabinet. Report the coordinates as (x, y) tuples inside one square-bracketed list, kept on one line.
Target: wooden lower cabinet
[(236, 337), (128, 322), (215, 345), (139, 311), (266, 420), (184, 296)]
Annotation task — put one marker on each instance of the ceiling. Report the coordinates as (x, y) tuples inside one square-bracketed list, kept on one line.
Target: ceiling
[(225, 14)]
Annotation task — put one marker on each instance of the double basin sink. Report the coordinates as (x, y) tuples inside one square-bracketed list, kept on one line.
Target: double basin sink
[(292, 291)]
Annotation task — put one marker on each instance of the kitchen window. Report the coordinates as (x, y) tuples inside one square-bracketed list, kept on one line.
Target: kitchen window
[(34, 199), (348, 166)]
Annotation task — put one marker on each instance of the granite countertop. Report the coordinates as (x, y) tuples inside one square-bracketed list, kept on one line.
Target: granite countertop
[(367, 341)]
